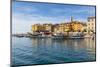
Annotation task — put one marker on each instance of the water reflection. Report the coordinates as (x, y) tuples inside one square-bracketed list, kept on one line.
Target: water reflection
[(47, 50), (62, 44)]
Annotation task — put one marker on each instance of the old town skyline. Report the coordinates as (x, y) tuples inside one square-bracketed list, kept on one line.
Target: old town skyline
[(26, 14)]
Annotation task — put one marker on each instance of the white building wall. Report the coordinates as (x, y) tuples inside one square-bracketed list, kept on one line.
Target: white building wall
[(91, 24)]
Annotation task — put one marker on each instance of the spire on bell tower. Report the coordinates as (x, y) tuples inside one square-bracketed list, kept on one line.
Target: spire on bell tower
[(71, 19)]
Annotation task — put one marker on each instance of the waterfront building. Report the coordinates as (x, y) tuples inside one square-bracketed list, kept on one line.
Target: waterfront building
[(36, 27), (55, 28), (84, 28), (91, 24), (72, 26), (47, 27), (76, 26), (61, 27), (67, 27)]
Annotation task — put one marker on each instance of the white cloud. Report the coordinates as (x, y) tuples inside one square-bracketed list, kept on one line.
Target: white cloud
[(87, 11), (22, 23)]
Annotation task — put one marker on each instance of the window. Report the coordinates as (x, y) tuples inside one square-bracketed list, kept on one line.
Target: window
[(88, 24), (88, 27), (92, 23), (92, 27), (88, 20)]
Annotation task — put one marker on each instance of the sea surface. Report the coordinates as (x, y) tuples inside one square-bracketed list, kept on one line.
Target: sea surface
[(34, 51)]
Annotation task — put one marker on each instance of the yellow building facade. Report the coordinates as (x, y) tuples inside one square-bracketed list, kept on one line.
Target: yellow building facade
[(58, 28), (67, 27), (47, 27), (36, 27), (61, 28), (77, 26)]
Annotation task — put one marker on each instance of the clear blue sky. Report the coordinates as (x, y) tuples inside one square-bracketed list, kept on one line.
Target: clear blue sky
[(24, 14)]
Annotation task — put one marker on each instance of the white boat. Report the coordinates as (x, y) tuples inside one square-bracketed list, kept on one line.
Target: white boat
[(78, 36), (57, 36)]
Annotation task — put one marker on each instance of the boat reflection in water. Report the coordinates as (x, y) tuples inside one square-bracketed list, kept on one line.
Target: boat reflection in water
[(32, 51)]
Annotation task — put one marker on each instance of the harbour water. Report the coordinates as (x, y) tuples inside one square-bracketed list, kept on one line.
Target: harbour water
[(33, 51)]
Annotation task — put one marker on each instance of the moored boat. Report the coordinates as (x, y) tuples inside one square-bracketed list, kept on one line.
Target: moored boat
[(57, 36)]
